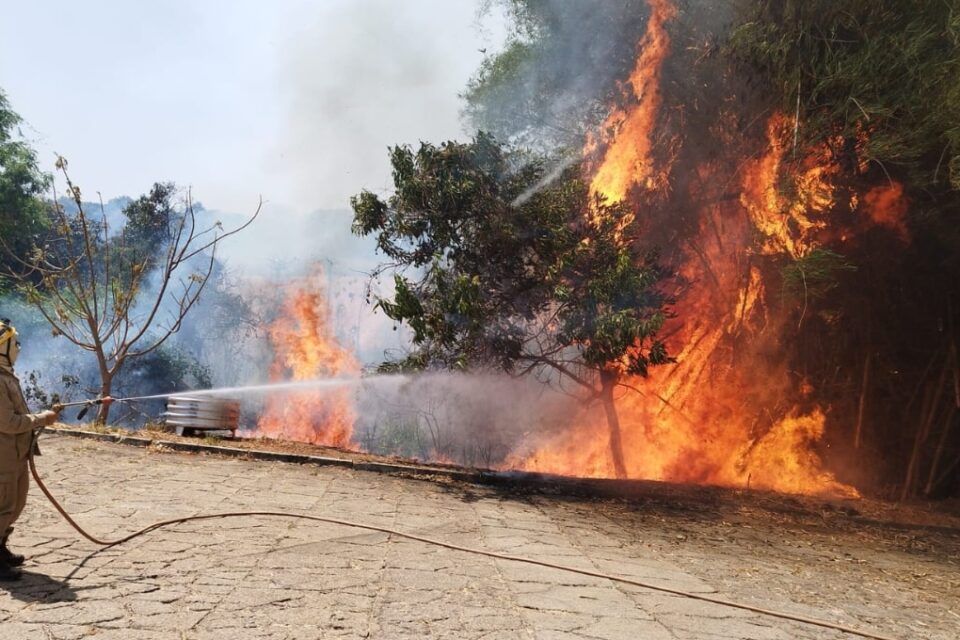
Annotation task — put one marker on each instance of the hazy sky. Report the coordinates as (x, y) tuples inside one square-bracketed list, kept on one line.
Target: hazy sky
[(292, 99)]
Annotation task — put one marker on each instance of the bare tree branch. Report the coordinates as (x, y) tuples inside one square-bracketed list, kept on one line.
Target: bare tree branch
[(92, 289)]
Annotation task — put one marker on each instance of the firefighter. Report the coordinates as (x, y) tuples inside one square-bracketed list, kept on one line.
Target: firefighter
[(17, 427)]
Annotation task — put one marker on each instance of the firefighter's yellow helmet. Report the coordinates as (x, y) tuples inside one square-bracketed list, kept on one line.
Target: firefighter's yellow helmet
[(9, 343)]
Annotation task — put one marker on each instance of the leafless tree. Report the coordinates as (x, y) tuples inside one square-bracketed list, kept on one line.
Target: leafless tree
[(106, 298)]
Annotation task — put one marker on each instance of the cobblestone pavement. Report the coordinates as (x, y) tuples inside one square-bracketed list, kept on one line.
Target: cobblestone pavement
[(268, 578)]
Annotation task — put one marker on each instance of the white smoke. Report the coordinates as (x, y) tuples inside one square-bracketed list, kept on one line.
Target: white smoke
[(473, 419), (362, 76)]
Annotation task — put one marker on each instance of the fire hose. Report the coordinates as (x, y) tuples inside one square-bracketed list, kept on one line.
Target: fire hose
[(107, 400), (439, 543)]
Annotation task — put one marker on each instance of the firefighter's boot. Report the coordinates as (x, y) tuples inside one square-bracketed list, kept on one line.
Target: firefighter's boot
[(9, 573), (8, 557)]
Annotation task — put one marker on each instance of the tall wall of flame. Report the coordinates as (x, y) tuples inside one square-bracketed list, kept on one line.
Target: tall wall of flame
[(730, 411)]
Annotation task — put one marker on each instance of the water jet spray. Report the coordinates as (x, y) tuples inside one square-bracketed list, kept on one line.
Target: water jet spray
[(297, 385)]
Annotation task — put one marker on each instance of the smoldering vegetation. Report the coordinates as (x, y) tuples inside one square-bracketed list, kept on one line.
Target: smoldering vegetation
[(475, 420), (479, 419)]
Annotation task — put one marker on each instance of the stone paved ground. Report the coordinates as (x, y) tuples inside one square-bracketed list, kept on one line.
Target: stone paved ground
[(267, 578)]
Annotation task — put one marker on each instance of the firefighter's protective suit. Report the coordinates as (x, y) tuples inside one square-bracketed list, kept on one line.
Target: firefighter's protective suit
[(16, 440)]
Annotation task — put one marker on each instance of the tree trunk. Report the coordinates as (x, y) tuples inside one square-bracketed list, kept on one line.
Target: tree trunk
[(938, 453), (907, 489), (608, 380), (862, 405), (106, 384), (927, 417)]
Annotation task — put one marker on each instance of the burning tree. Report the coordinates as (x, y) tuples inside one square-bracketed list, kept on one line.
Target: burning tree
[(878, 85), (119, 295), (796, 162), (497, 266)]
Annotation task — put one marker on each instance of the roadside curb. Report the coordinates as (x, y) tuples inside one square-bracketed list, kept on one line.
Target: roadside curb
[(268, 456), (533, 481)]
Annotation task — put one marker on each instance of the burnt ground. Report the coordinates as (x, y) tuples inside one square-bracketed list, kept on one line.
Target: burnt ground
[(893, 569)]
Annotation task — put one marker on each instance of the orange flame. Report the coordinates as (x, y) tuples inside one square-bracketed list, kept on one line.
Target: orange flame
[(306, 349), (727, 413), (788, 225), (886, 206), (627, 160)]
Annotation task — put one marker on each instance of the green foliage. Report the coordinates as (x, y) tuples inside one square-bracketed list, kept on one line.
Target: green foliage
[(133, 251), (34, 392), (890, 69), (165, 370), (609, 302), (879, 84), (492, 96), (24, 218), (486, 278), (151, 219), (815, 274)]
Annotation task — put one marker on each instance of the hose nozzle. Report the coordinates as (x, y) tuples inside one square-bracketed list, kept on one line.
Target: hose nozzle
[(89, 403)]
